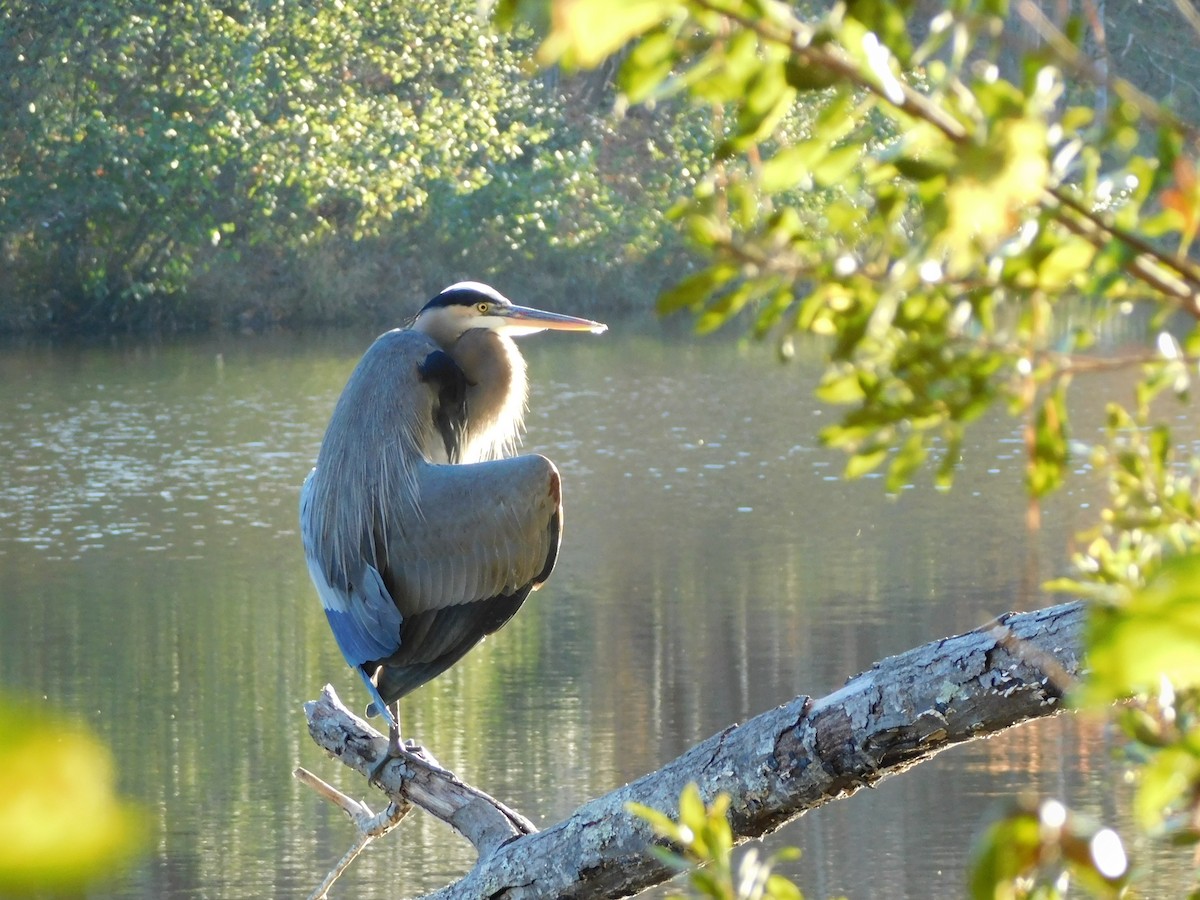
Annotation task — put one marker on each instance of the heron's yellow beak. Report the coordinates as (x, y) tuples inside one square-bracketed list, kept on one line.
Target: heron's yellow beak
[(527, 320)]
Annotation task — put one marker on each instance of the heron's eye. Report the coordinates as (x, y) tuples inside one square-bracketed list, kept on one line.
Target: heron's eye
[(483, 307)]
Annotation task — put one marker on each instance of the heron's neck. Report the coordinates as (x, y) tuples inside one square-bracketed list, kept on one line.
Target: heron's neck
[(497, 391)]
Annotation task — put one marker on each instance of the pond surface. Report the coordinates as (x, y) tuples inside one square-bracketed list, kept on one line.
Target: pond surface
[(714, 565)]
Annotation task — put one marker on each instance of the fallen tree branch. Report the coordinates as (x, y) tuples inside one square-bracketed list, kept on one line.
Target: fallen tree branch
[(370, 826), (416, 777), (777, 766)]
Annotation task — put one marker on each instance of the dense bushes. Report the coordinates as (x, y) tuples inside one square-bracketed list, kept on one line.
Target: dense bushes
[(179, 166)]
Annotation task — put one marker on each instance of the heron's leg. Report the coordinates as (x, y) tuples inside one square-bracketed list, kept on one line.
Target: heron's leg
[(394, 747), (394, 743)]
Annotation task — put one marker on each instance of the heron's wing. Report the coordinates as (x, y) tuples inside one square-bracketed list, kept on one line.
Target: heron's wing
[(382, 431), (365, 621), (487, 534)]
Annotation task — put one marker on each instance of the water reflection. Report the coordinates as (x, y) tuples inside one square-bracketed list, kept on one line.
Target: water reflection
[(714, 565)]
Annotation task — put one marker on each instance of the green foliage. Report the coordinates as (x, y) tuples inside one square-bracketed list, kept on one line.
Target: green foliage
[(929, 215), (61, 825), (1154, 635), (959, 220), (701, 843), (167, 125), (144, 146), (1037, 850)]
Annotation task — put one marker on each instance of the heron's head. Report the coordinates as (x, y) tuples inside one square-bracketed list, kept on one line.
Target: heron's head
[(469, 304)]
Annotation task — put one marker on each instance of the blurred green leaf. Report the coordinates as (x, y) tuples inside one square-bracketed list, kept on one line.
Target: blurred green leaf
[(841, 388), (1064, 263), (704, 844), (864, 461), (836, 165), (1170, 776), (695, 289), (807, 76), (650, 61), (62, 826), (907, 461), (792, 166), (1026, 851), (1044, 470), (1154, 636), (584, 33), (886, 19)]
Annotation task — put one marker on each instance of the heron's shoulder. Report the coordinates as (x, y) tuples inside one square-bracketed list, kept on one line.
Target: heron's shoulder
[(404, 341), (396, 359), (514, 476)]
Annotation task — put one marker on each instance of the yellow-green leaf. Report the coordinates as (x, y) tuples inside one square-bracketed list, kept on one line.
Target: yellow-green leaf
[(691, 808), (1154, 636), (840, 388), (1064, 262), (61, 823), (860, 464), (792, 166), (584, 33), (836, 165)]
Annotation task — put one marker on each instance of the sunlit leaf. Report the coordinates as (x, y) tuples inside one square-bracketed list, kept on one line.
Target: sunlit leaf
[(840, 388), (1026, 852), (695, 289), (864, 461), (994, 184), (792, 166), (61, 823), (1155, 636), (886, 19), (756, 122), (726, 307), (836, 165), (584, 33), (705, 842), (780, 888), (1170, 776), (908, 460), (1064, 263), (1044, 471), (648, 64)]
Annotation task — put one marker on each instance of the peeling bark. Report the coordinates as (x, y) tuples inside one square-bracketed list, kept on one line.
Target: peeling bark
[(782, 763)]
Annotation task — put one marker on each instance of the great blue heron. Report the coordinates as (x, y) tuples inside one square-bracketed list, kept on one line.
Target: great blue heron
[(422, 533)]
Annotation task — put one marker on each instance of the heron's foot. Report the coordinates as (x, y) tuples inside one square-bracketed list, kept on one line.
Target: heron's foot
[(408, 749), (394, 751), (387, 757)]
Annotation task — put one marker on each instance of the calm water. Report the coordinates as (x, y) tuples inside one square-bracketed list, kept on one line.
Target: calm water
[(151, 582)]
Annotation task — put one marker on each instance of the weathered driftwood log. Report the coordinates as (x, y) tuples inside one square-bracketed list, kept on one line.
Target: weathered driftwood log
[(415, 778), (780, 764)]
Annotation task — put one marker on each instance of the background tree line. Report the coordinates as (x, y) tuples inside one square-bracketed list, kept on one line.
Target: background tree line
[(202, 163)]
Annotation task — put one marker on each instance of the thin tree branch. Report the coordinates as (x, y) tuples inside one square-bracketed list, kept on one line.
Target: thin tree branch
[(370, 826), (1149, 265), (1070, 57)]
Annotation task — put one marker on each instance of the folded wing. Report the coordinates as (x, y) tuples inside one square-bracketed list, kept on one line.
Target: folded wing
[(488, 534)]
